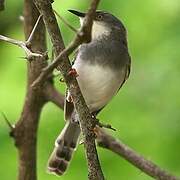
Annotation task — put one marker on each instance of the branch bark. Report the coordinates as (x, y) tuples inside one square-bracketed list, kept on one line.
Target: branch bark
[(25, 132), (109, 142), (63, 64)]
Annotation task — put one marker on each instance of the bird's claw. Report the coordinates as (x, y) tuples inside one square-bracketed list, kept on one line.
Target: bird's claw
[(102, 125), (73, 72)]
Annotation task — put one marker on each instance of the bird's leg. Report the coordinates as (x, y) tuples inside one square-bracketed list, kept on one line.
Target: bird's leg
[(102, 125), (73, 72), (97, 126)]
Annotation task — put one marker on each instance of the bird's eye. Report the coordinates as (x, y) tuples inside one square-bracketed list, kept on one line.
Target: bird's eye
[(99, 17)]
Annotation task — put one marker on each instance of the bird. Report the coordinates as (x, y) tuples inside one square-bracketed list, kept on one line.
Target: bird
[(103, 66)]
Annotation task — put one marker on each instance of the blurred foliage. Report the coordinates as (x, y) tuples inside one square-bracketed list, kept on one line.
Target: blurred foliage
[(146, 112)]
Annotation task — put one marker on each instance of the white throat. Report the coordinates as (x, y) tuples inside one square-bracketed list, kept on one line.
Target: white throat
[(98, 29)]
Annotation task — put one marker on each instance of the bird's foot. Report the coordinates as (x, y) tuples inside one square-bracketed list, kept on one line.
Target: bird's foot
[(73, 72), (102, 125)]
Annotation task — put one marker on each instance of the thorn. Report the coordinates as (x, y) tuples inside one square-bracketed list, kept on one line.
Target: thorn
[(23, 58), (7, 122), (30, 58), (33, 30)]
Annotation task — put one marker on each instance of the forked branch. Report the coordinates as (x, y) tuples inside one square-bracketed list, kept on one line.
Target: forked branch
[(24, 45)]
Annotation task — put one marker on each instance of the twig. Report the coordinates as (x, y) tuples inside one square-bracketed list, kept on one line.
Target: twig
[(24, 45), (66, 23), (108, 142), (63, 64), (21, 44)]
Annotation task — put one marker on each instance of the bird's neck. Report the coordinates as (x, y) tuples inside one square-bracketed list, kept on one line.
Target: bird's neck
[(103, 33), (99, 31)]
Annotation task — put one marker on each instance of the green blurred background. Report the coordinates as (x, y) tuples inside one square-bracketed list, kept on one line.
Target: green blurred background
[(146, 112)]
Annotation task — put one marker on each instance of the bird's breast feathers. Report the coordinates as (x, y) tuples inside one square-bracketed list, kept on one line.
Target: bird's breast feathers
[(97, 83)]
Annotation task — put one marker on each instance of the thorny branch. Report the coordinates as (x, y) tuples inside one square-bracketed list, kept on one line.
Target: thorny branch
[(25, 130), (63, 64), (51, 94), (24, 45)]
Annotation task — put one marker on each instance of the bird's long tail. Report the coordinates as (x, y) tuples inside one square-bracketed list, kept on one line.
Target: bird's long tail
[(64, 147)]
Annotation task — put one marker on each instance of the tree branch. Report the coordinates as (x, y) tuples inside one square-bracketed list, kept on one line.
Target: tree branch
[(108, 142), (24, 45), (62, 61), (25, 131)]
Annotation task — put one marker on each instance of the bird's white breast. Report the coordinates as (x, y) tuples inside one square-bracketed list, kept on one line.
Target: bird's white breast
[(97, 83)]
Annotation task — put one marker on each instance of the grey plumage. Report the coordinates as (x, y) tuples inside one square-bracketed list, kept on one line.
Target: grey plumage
[(64, 147), (103, 65)]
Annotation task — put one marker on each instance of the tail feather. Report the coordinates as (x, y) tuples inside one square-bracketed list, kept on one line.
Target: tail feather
[(65, 145)]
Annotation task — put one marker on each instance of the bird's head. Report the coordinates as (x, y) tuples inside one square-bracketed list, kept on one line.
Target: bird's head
[(103, 23)]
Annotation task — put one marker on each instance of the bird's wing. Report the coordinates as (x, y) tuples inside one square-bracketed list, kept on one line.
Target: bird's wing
[(128, 70)]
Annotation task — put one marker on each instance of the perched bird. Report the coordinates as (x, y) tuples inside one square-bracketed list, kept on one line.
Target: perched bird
[(103, 65)]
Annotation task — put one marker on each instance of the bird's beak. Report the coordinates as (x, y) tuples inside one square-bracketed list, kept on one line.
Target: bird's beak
[(77, 13)]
